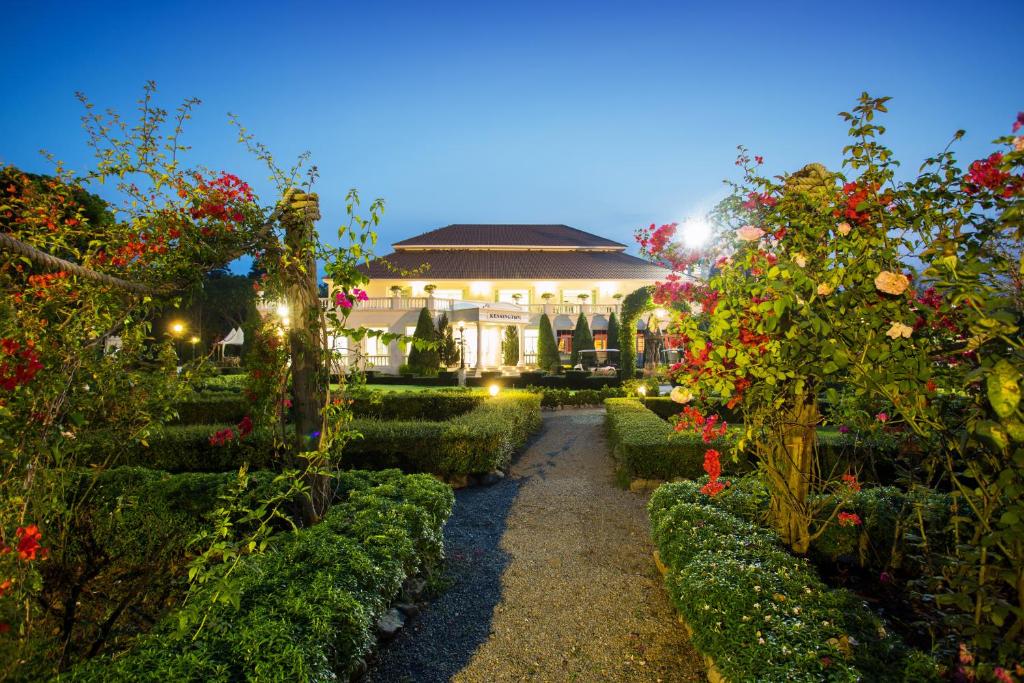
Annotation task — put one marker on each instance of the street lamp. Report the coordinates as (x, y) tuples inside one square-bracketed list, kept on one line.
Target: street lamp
[(462, 346), (194, 340)]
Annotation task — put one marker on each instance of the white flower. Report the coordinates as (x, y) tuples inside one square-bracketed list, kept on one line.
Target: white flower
[(891, 283), (898, 330), (68, 435), (749, 233), (681, 395), (800, 259), (760, 641), (844, 228)]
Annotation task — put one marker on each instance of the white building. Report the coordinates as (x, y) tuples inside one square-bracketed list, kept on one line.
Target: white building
[(486, 277)]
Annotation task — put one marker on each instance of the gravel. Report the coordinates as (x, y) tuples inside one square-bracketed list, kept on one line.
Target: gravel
[(551, 578)]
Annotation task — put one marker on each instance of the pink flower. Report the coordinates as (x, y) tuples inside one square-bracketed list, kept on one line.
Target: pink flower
[(1019, 123), (882, 417), (749, 233), (341, 300), (359, 294), (885, 577), (1002, 675)]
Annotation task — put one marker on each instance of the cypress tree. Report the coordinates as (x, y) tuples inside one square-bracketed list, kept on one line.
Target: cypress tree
[(448, 351), (582, 339), (424, 361), (613, 331), (510, 345), (547, 347)]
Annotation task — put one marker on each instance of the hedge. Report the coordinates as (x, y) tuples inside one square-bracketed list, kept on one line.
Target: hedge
[(414, 405), (647, 447), (482, 440), (305, 609), (213, 407), (760, 613), (225, 383)]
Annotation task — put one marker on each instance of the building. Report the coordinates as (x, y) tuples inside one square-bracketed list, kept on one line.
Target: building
[(487, 277)]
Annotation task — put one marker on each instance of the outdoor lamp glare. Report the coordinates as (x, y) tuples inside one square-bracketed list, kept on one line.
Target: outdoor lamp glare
[(642, 390), (493, 390), (177, 328), (194, 340), (282, 311), (660, 313)]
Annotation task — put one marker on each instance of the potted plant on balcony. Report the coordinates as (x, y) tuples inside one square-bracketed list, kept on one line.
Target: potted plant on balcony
[(396, 290), (516, 297), (429, 289), (583, 298), (547, 296)]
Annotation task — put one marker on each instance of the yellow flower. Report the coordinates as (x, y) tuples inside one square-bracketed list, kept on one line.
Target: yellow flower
[(681, 395), (824, 289), (800, 259), (898, 330), (891, 283), (844, 228)]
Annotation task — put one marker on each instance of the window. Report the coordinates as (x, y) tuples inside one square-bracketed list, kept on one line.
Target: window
[(600, 340), (448, 294), (409, 331), (565, 341), (508, 296), (374, 346)]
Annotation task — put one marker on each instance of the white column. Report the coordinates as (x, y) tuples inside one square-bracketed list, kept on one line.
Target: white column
[(522, 344), (479, 345)]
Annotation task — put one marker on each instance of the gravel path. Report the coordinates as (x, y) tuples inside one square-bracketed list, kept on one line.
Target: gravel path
[(552, 579)]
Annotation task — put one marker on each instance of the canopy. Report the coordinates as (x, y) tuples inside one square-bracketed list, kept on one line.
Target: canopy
[(235, 337)]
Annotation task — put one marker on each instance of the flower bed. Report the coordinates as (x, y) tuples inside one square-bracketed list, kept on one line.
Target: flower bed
[(482, 440), (307, 608), (758, 612), (647, 447)]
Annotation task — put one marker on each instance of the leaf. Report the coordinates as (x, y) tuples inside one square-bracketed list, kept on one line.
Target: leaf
[(1003, 388)]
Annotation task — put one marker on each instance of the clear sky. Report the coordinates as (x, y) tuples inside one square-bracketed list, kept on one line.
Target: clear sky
[(604, 116)]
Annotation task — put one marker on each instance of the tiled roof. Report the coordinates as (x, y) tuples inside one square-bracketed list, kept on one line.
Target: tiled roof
[(517, 236), (448, 264)]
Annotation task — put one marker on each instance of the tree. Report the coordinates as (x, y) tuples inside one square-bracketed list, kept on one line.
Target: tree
[(448, 348), (548, 358), (582, 339), (510, 345), (613, 331), (422, 359)]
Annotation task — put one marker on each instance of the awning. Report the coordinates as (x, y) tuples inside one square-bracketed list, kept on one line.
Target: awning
[(599, 323), (563, 322)]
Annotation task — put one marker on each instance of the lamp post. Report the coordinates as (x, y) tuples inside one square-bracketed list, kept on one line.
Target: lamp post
[(462, 354), (176, 329), (194, 340)]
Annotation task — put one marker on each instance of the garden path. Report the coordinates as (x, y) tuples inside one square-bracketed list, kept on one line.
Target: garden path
[(552, 578)]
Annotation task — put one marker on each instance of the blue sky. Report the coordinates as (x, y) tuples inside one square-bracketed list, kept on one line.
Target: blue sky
[(604, 116)]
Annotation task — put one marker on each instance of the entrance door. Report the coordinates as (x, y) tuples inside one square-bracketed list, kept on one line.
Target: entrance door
[(492, 346)]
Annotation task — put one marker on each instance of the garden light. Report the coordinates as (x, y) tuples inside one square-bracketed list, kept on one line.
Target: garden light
[(177, 327), (493, 389), (642, 390), (282, 311)]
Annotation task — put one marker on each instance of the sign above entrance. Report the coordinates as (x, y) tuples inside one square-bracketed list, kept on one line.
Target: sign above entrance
[(505, 316)]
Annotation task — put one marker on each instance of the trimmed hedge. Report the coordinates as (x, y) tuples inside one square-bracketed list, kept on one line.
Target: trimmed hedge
[(305, 609), (215, 407), (760, 613), (414, 405), (225, 383), (480, 441), (647, 447), (183, 448)]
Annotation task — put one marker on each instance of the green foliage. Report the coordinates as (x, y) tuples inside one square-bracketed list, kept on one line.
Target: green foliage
[(613, 331), (760, 613), (548, 358), (212, 407), (448, 348), (424, 360), (225, 383), (413, 405), (647, 447), (482, 440), (635, 304), (582, 339), (307, 608), (510, 345)]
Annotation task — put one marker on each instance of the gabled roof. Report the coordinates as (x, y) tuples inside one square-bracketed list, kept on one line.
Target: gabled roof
[(509, 236), (503, 264)]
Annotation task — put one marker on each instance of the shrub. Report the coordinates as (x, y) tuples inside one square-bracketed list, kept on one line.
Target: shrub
[(582, 339), (424, 361), (181, 448), (548, 358), (213, 408), (306, 609), (413, 405), (235, 382), (647, 447), (760, 613), (482, 440)]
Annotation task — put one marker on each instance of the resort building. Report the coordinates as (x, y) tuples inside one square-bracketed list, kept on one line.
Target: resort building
[(487, 277)]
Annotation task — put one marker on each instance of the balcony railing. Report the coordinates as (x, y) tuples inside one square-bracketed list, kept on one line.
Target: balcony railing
[(392, 303), (574, 309)]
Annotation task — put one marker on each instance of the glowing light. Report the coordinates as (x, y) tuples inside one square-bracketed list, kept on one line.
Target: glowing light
[(642, 390), (545, 288), (282, 311), (177, 328), (606, 288), (194, 340), (285, 322), (660, 313), (417, 288), (696, 232), (479, 287), (493, 389)]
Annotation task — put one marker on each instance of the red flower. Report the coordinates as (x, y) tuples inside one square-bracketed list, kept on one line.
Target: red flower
[(6, 586), (986, 173), (222, 437), (849, 519), (851, 482), (29, 547), (713, 466), (245, 427)]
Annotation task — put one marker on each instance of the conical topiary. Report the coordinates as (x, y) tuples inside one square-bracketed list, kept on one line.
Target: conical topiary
[(582, 339), (547, 348), (613, 332), (424, 361)]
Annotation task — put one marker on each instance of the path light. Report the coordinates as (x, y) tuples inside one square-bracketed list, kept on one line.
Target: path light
[(493, 389), (282, 311), (642, 390), (177, 328)]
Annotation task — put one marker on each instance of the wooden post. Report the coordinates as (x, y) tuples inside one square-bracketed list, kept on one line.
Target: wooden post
[(308, 368)]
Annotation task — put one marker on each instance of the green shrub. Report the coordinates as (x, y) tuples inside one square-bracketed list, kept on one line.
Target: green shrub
[(482, 440), (306, 609), (213, 408), (413, 405), (760, 613), (234, 383), (647, 447), (181, 448), (548, 358)]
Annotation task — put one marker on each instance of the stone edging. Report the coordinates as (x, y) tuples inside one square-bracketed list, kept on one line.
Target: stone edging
[(714, 675)]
